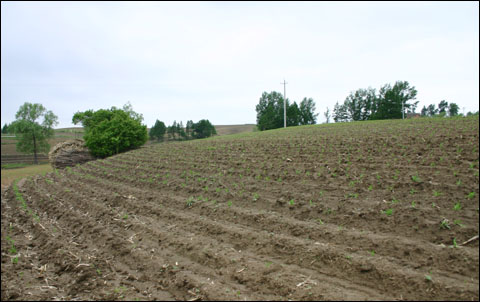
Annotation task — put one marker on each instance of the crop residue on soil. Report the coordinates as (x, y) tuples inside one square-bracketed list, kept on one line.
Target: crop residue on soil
[(371, 210)]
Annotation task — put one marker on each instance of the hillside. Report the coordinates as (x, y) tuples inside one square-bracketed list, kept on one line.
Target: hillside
[(63, 134), (374, 210)]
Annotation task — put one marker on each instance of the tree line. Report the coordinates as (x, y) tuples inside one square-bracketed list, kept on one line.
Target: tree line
[(391, 102), (201, 129), (367, 104), (106, 131), (443, 109), (270, 112)]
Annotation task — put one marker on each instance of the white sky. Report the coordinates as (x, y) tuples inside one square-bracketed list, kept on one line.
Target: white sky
[(194, 60)]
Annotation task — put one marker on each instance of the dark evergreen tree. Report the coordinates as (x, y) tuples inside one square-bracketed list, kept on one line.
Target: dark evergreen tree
[(442, 107), (203, 129), (158, 131), (453, 109), (432, 110)]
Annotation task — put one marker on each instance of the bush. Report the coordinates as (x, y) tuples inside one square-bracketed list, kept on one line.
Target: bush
[(203, 129), (108, 132)]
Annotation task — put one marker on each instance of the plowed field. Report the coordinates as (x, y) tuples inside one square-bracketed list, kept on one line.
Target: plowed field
[(356, 211)]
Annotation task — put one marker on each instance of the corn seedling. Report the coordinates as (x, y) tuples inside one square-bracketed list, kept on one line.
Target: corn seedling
[(455, 243), (444, 224), (388, 212), (190, 201), (415, 178), (428, 277)]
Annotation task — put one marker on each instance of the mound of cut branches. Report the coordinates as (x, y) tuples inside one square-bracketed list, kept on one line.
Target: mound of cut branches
[(69, 153)]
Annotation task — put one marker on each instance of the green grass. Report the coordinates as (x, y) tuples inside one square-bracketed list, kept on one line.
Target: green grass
[(15, 165), (9, 175)]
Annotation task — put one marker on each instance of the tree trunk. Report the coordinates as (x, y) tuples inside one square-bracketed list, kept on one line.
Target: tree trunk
[(35, 160)]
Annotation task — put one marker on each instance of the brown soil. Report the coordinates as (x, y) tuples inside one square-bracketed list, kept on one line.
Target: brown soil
[(330, 212)]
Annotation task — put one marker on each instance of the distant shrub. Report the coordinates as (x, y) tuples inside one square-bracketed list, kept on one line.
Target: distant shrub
[(111, 131)]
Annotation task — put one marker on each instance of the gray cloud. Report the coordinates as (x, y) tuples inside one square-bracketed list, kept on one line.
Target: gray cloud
[(182, 61)]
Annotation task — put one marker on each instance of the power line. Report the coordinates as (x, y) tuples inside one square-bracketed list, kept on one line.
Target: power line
[(284, 104)]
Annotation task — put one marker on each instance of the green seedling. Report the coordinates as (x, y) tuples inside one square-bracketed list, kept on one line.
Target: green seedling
[(455, 243), (471, 195), (457, 206), (445, 224), (190, 201), (415, 178), (428, 277), (388, 212)]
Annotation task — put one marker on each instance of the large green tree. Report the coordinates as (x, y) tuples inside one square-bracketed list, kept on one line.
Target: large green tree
[(158, 131), (111, 131), (431, 110), (424, 111), (340, 113), (442, 107), (5, 128), (270, 112), (453, 109), (33, 135), (203, 129), (307, 112), (390, 100)]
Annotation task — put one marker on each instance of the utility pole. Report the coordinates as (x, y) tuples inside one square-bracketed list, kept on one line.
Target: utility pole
[(284, 104)]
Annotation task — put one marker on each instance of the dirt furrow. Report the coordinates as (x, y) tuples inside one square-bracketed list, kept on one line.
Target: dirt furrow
[(357, 264)]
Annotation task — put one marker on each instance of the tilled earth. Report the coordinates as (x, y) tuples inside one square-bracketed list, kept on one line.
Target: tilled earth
[(357, 211)]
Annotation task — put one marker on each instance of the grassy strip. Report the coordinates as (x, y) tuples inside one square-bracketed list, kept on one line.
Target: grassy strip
[(8, 176), (15, 165)]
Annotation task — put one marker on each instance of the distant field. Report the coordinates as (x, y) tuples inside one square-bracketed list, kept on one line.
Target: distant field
[(234, 129), (9, 175), (8, 142)]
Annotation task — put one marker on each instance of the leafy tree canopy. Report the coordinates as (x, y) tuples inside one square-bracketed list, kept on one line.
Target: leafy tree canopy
[(33, 135), (366, 104), (203, 129), (270, 113), (111, 131), (158, 130)]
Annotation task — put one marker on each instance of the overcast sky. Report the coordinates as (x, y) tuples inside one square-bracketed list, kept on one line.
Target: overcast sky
[(212, 60)]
